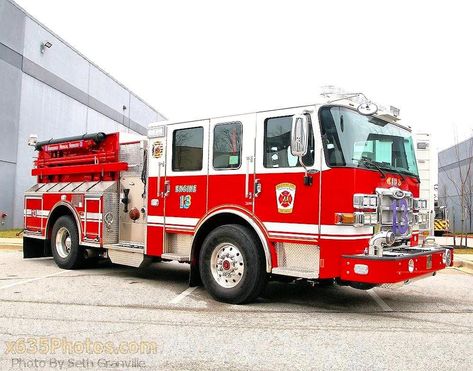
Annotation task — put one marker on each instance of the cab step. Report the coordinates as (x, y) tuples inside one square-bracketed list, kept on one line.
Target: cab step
[(292, 272), (176, 257)]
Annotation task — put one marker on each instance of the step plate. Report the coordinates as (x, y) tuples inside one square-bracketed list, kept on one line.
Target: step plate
[(295, 273), (126, 256), (179, 258)]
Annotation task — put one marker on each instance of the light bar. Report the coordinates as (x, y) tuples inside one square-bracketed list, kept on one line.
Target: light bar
[(157, 132)]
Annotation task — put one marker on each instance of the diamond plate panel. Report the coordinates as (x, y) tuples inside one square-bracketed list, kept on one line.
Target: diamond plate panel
[(298, 257), (133, 155), (110, 213), (179, 244)]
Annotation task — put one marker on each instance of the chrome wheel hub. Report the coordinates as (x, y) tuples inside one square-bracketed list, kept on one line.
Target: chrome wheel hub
[(63, 242), (227, 265)]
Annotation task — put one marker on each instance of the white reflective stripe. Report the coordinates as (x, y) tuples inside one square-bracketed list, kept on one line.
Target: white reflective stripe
[(39, 213), (345, 237), (293, 235), (155, 219), (291, 227), (338, 230), (94, 216), (182, 221), (312, 229), (173, 220), (170, 226)]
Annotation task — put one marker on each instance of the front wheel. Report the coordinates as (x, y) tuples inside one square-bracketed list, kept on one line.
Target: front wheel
[(65, 244), (232, 264)]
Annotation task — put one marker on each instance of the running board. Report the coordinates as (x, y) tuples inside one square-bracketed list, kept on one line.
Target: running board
[(297, 273), (126, 255), (176, 257)]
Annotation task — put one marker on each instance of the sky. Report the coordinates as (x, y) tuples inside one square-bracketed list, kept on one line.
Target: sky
[(197, 59)]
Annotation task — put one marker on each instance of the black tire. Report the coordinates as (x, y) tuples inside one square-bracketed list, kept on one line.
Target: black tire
[(66, 255), (252, 276), (325, 282)]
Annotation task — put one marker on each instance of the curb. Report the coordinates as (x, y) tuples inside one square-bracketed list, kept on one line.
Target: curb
[(458, 263), (11, 241)]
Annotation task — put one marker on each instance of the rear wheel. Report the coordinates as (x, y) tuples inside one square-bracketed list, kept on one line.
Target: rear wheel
[(65, 244), (232, 264)]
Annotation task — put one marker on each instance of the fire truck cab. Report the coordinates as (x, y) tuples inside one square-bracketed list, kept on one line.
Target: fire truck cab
[(322, 192)]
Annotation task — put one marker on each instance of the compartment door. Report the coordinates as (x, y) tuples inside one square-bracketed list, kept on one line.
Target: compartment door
[(34, 217), (133, 198), (92, 224)]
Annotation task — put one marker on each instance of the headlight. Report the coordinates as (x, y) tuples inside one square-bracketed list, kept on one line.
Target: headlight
[(362, 201), (420, 204), (357, 218)]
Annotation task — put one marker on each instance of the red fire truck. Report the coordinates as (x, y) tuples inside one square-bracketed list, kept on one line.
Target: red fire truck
[(321, 192)]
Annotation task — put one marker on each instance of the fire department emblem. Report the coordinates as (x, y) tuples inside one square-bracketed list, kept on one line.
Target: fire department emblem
[(158, 149), (285, 195)]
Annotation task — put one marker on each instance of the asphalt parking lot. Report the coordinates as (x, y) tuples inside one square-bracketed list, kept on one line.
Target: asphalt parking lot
[(425, 325)]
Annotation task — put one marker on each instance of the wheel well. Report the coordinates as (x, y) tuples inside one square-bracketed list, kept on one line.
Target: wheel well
[(59, 211), (209, 225)]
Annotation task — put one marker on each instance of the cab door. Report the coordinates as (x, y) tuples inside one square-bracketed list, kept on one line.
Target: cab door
[(231, 167), (288, 207), (185, 187)]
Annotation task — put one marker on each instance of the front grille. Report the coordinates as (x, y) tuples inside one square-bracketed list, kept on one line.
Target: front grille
[(395, 209)]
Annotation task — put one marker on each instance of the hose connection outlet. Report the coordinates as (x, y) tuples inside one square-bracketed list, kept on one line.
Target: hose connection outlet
[(379, 241)]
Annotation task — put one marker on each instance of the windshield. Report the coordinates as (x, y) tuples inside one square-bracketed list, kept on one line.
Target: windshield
[(353, 140)]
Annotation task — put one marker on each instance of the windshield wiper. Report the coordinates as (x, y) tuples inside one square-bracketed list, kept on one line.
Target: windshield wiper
[(394, 169), (368, 161), (407, 172)]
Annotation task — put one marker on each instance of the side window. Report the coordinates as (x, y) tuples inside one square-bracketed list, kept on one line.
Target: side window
[(187, 149), (277, 144), (227, 146)]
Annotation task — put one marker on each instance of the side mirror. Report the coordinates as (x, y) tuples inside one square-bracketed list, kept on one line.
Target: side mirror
[(299, 135)]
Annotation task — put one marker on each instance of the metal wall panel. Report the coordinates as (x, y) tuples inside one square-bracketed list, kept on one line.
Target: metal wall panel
[(107, 91), (49, 114), (7, 182), (52, 94), (12, 26), (97, 122), (60, 59), (10, 88), (139, 112)]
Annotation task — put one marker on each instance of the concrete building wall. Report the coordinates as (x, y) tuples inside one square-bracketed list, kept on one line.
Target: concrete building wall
[(52, 94), (12, 23), (455, 168)]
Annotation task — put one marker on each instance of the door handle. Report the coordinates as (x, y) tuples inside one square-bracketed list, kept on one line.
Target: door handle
[(167, 188), (159, 178), (257, 187)]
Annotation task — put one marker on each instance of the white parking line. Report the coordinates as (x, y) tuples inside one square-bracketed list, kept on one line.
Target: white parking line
[(380, 301), (32, 279), (182, 295)]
